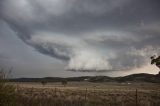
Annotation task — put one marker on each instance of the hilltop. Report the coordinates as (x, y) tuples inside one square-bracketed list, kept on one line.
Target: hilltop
[(140, 77)]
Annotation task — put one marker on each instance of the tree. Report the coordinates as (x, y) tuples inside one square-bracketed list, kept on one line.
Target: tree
[(43, 82), (155, 61), (64, 82)]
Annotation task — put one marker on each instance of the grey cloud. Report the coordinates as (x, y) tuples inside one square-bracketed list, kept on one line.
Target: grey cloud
[(129, 51), (50, 51), (3, 57), (76, 19)]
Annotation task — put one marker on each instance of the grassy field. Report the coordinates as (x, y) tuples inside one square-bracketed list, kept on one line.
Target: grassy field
[(87, 94)]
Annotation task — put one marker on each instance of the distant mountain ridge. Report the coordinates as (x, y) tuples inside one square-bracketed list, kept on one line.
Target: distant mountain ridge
[(140, 77)]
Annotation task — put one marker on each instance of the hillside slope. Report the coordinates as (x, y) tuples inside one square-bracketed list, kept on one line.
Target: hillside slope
[(140, 77)]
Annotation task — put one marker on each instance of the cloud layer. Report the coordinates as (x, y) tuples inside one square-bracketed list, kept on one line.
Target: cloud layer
[(87, 35)]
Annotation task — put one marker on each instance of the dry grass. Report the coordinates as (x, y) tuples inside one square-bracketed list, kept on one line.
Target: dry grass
[(87, 94), (7, 92)]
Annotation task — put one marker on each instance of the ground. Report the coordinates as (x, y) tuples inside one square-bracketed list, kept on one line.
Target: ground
[(90, 94)]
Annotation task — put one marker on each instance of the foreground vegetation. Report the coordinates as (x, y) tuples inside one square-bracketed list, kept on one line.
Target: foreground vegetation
[(80, 94)]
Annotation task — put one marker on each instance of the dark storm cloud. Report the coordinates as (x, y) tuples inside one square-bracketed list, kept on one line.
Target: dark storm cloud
[(82, 15), (51, 52), (89, 35)]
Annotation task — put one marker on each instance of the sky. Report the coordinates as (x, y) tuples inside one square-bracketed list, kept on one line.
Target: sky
[(66, 38)]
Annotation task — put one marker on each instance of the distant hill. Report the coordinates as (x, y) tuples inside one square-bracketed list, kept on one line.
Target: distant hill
[(140, 77)]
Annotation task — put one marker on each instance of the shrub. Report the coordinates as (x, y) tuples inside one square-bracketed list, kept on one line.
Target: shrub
[(7, 92), (43, 82), (64, 82)]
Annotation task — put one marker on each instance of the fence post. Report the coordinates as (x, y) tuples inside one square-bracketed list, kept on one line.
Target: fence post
[(136, 97), (94, 92), (55, 91), (86, 94)]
